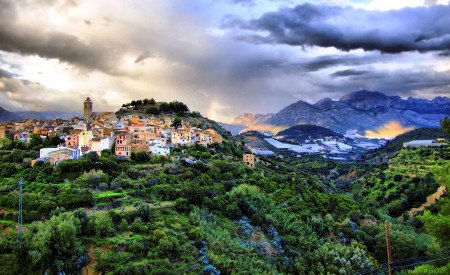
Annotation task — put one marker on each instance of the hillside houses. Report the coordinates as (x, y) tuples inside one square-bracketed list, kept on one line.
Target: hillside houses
[(425, 143), (95, 132), (157, 136)]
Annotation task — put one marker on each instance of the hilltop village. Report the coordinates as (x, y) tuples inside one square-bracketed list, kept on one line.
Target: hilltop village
[(132, 132)]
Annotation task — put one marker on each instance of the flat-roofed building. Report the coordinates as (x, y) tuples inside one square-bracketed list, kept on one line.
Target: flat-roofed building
[(249, 160), (423, 143)]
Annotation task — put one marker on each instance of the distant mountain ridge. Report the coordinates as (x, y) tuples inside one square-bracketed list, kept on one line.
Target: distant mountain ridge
[(6, 115), (362, 110)]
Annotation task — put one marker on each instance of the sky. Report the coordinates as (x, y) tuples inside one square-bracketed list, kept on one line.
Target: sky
[(220, 57)]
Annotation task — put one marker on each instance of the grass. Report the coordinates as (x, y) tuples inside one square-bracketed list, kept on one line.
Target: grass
[(9, 222), (109, 194)]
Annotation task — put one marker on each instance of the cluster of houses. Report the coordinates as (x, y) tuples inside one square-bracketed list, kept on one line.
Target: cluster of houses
[(439, 142), (95, 132)]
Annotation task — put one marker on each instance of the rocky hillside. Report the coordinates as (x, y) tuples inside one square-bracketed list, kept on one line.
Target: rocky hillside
[(248, 119), (361, 110)]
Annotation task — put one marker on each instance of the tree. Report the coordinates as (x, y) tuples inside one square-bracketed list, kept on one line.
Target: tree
[(445, 124), (144, 212), (176, 122), (4, 142), (36, 140), (55, 244), (7, 170), (101, 224), (333, 258), (140, 157), (403, 245), (437, 225), (152, 110)]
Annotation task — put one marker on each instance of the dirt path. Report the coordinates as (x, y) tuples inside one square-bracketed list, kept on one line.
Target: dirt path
[(89, 269), (431, 199)]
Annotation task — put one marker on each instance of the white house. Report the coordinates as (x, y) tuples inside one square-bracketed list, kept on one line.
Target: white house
[(98, 145), (158, 149), (423, 143), (46, 153)]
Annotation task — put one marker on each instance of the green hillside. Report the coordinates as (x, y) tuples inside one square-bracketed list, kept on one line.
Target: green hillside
[(216, 215)]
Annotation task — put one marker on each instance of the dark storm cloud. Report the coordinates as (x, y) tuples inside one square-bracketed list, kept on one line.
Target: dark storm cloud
[(264, 67), (328, 61), (399, 83), (444, 54), (349, 72), (345, 28), (6, 74), (15, 37)]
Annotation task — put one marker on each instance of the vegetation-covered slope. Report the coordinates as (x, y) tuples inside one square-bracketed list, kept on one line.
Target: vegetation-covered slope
[(150, 215)]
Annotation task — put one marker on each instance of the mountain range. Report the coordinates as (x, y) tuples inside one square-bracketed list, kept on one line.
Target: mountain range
[(6, 115), (362, 110)]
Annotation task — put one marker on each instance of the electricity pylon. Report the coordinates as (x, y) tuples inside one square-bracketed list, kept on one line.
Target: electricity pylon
[(20, 219)]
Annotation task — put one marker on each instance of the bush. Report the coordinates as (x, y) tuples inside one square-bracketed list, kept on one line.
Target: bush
[(101, 224), (169, 247)]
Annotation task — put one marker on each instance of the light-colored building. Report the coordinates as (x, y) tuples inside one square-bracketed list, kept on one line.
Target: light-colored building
[(139, 146), (158, 149), (123, 151), (122, 146), (84, 139), (181, 137), (62, 154), (18, 126), (2, 131), (100, 144), (249, 160), (107, 117), (423, 143)]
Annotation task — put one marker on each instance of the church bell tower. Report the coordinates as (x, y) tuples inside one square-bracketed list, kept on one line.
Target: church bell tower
[(87, 110)]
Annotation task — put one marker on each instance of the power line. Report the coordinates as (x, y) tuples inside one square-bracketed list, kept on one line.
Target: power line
[(20, 218), (408, 263)]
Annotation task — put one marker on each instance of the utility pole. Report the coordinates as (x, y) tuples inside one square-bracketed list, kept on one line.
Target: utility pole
[(20, 219), (388, 247)]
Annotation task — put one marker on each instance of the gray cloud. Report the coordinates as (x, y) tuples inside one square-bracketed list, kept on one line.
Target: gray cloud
[(142, 57), (6, 74), (194, 66), (349, 72), (15, 37), (400, 83), (430, 2), (393, 31)]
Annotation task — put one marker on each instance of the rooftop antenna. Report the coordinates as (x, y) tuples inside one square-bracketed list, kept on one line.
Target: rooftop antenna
[(20, 219)]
